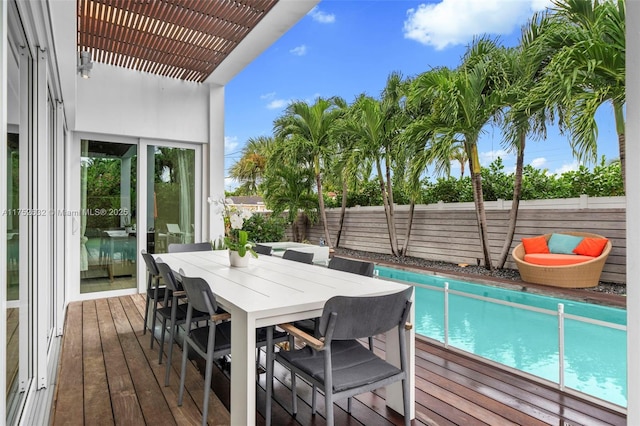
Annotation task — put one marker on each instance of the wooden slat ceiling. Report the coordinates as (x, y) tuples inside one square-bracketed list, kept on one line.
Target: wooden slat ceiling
[(185, 39)]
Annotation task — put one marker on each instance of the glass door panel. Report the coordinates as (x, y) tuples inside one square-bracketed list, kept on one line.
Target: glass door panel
[(13, 266), (170, 197), (108, 235)]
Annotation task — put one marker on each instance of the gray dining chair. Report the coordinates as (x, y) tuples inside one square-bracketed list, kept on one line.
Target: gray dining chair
[(155, 293), (174, 313), (298, 256), (210, 341), (262, 249), (213, 340), (354, 266), (187, 247), (336, 362)]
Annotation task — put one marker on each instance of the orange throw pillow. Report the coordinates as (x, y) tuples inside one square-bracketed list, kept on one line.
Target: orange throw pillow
[(535, 245), (591, 246)]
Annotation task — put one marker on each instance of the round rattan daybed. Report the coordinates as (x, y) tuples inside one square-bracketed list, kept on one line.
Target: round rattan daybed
[(581, 275)]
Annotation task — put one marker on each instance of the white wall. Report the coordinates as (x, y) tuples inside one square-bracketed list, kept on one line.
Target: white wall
[(122, 102)]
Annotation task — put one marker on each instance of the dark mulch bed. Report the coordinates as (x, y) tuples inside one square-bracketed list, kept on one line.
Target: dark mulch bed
[(500, 276)]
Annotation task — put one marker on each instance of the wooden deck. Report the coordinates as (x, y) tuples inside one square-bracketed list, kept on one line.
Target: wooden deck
[(108, 375)]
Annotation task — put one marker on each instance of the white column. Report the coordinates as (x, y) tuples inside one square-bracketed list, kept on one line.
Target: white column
[(215, 167), (633, 212)]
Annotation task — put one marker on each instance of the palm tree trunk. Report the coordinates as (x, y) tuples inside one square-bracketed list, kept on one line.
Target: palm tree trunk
[(387, 212), (403, 250), (619, 118), (478, 198), (323, 212), (343, 210), (515, 203)]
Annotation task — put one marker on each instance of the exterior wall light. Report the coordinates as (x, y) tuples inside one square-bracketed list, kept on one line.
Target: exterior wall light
[(84, 64)]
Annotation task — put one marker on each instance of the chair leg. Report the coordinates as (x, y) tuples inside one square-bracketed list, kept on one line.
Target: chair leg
[(167, 372), (269, 375), (371, 343), (314, 394), (146, 313), (183, 370), (161, 349), (153, 321), (405, 402), (294, 395), (349, 401), (328, 402), (207, 374)]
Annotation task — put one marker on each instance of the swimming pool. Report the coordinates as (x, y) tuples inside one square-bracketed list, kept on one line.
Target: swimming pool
[(595, 356)]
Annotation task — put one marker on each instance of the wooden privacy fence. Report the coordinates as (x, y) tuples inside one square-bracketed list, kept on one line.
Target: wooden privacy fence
[(449, 232)]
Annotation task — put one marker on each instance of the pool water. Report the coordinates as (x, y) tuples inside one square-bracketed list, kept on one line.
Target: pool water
[(595, 358)]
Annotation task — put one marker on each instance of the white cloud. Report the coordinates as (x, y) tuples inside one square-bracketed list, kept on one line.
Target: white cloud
[(270, 95), (322, 17), (452, 22), (538, 163), (567, 168), (299, 50), (487, 158), (230, 143), (230, 183), (277, 104)]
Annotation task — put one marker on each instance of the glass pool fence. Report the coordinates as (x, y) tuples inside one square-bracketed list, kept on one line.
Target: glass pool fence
[(574, 345)]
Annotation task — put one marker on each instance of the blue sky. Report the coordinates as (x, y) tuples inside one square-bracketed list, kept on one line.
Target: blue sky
[(347, 47)]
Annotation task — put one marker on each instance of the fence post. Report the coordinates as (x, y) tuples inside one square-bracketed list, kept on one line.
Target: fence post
[(446, 315), (561, 345)]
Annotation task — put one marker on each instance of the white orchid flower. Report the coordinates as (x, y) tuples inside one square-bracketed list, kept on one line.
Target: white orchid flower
[(236, 221)]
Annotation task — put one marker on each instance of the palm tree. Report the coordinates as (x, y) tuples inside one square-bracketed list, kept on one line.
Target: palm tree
[(587, 69), (348, 166), (290, 188), (462, 102), (523, 67), (377, 125), (307, 134), (249, 169)]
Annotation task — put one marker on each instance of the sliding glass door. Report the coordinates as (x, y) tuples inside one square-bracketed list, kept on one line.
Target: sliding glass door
[(171, 203), (133, 196), (108, 233)]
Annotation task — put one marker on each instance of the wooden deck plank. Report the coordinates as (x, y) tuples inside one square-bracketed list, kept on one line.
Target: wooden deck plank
[(451, 388), (69, 393), (154, 407), (124, 400), (97, 408), (485, 407), (190, 412), (570, 409), (507, 406)]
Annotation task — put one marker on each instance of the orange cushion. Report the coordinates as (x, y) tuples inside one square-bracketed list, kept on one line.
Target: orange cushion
[(553, 259), (591, 246), (535, 245)]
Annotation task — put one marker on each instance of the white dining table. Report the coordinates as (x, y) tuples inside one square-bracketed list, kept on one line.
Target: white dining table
[(273, 291)]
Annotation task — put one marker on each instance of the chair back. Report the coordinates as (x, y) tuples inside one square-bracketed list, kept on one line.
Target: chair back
[(358, 317), (199, 294), (152, 267), (168, 276), (181, 248), (298, 256), (353, 266), (262, 249), (173, 228)]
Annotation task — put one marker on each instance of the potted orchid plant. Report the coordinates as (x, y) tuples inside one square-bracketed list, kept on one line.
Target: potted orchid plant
[(235, 239)]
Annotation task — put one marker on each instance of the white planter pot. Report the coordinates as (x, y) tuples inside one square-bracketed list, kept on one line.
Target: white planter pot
[(237, 261)]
